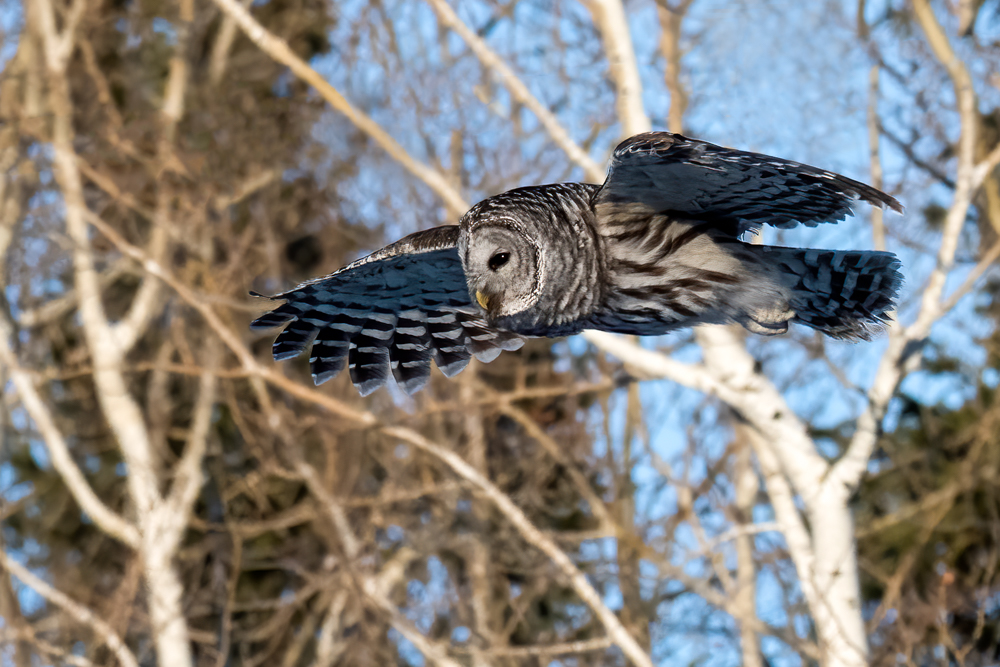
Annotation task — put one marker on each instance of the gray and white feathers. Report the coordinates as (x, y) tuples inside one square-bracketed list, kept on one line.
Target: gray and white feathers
[(654, 249)]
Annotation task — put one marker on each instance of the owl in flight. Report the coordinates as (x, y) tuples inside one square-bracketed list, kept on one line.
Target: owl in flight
[(656, 248)]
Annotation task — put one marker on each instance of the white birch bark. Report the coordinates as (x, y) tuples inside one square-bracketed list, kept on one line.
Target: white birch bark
[(611, 21), (745, 600), (160, 520)]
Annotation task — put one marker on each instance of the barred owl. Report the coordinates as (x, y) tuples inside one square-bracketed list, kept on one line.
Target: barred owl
[(655, 248)]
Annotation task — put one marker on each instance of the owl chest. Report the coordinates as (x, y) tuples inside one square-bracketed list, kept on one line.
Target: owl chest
[(657, 269), (657, 249)]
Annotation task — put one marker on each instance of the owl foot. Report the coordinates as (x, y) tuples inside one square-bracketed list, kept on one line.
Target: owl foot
[(769, 321)]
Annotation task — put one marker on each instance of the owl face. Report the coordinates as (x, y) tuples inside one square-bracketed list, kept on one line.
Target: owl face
[(502, 268)]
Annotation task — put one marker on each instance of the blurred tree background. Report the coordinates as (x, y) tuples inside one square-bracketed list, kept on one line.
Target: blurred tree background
[(216, 497)]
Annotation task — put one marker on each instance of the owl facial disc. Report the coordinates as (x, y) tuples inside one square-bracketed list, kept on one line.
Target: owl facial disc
[(501, 266)]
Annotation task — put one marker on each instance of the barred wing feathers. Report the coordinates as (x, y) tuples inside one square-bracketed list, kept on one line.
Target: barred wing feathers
[(393, 310), (663, 172)]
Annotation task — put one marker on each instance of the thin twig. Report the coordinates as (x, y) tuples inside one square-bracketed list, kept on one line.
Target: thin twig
[(106, 519), (984, 263), (276, 48), (874, 158), (77, 611), (583, 588), (518, 91), (566, 648)]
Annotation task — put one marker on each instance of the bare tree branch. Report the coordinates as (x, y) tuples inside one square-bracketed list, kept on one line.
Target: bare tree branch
[(187, 476), (219, 58), (106, 519), (278, 49), (77, 611), (160, 528), (984, 263), (874, 159), (851, 466), (518, 90), (745, 600), (576, 579), (536, 433), (376, 588), (671, 19), (568, 648), (610, 20)]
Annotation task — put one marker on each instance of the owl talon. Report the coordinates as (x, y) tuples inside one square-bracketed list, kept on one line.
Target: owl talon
[(765, 328), (769, 322)]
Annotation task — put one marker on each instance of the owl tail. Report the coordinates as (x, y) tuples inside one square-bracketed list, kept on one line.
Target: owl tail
[(844, 294)]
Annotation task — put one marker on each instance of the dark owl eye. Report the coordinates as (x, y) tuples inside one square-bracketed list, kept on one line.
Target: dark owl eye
[(498, 260)]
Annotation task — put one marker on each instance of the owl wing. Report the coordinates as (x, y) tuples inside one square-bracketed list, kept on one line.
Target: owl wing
[(395, 309), (663, 172)]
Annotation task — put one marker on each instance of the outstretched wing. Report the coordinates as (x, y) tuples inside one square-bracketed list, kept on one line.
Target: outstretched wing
[(395, 309), (662, 172)]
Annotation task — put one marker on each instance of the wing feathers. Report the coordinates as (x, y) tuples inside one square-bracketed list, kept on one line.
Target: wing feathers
[(329, 354), (410, 354), (368, 362), (389, 313), (662, 172), (280, 315)]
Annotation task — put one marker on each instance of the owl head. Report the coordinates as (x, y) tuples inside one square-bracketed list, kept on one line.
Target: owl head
[(530, 259), (503, 267)]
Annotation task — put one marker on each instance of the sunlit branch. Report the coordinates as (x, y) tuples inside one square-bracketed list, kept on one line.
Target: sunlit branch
[(671, 19), (279, 50), (187, 475), (328, 645), (851, 466), (568, 648), (160, 527), (611, 22), (746, 490), (874, 158)]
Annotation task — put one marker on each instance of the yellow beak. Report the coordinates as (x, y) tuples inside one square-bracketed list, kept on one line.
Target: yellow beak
[(483, 300)]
